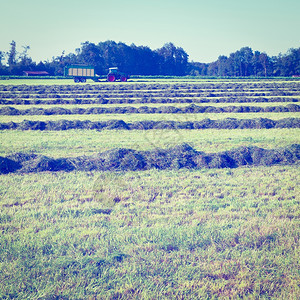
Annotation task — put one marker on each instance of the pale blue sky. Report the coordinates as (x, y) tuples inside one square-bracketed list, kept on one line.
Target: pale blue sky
[(204, 29)]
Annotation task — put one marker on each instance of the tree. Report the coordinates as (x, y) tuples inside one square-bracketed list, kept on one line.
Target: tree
[(3, 68), (264, 60), (222, 65), (256, 64), (181, 61), (291, 62), (25, 60), (173, 60), (2, 56), (197, 69), (90, 54), (12, 54), (245, 58), (145, 61)]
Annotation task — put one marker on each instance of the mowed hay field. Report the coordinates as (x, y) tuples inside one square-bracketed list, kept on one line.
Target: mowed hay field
[(162, 189)]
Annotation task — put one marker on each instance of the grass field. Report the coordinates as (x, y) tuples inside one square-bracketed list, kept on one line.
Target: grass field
[(185, 234), (87, 142), (171, 234)]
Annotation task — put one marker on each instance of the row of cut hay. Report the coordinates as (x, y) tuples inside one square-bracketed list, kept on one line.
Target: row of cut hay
[(150, 93), (141, 90), (145, 100), (182, 156), (225, 86), (11, 111), (228, 123), (181, 94)]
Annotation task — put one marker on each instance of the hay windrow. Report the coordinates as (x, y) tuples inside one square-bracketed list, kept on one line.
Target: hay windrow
[(122, 159), (228, 123), (224, 92), (11, 111)]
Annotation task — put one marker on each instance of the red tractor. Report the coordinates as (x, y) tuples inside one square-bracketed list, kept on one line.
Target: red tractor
[(114, 74)]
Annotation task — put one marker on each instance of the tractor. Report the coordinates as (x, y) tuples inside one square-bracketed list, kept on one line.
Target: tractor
[(114, 74), (80, 73)]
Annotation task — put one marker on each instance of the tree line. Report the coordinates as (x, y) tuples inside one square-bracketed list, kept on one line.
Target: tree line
[(141, 60)]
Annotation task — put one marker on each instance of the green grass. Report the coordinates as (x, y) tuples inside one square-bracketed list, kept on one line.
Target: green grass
[(86, 142), (174, 234), (153, 117)]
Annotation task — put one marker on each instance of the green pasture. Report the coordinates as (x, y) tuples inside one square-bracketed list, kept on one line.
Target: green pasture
[(86, 142), (205, 234)]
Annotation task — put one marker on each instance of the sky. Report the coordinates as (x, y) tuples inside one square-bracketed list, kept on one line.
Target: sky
[(205, 29)]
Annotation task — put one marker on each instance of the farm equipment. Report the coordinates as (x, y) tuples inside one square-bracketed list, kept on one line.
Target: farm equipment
[(80, 73), (114, 74)]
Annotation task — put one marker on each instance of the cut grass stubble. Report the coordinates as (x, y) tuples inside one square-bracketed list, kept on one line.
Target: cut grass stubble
[(208, 233), (87, 142)]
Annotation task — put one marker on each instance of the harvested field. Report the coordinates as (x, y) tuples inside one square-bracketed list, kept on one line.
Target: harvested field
[(163, 189), (240, 92)]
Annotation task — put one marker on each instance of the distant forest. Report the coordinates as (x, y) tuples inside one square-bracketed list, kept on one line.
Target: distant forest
[(141, 60)]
